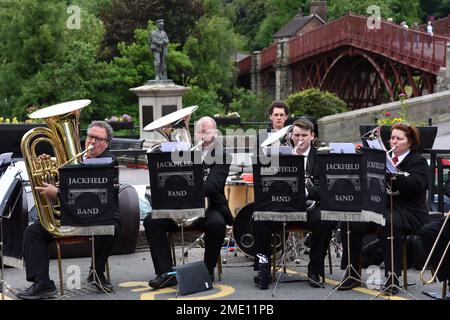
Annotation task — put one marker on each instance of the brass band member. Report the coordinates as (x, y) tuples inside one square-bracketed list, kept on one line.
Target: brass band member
[(37, 239), (217, 214), (428, 235), (278, 114), (410, 210), (303, 137)]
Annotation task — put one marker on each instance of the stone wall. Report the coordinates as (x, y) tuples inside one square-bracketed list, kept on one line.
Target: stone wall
[(344, 127)]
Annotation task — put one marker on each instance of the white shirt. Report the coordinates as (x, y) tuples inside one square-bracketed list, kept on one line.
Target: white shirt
[(401, 157), (430, 29)]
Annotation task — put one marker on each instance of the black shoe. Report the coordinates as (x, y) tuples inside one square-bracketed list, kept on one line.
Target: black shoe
[(162, 281), (100, 282), (39, 291), (350, 283), (388, 288), (314, 280)]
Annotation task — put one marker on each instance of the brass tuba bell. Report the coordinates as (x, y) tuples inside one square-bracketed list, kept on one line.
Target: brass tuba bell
[(63, 136)]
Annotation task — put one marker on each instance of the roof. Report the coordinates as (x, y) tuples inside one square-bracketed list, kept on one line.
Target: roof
[(293, 26)]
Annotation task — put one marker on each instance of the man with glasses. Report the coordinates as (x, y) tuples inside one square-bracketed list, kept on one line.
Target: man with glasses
[(37, 239)]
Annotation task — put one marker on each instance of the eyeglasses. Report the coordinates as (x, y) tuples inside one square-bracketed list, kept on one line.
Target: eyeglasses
[(96, 138)]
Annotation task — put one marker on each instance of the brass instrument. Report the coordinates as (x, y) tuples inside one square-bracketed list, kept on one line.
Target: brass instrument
[(426, 265), (63, 136), (174, 127)]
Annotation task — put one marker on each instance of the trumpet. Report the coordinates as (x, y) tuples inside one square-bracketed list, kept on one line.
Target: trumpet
[(426, 265)]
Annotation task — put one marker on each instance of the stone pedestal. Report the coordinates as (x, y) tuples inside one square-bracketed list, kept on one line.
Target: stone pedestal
[(156, 100)]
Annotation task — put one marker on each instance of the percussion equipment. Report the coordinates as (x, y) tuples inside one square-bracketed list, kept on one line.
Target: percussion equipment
[(239, 193), (243, 231)]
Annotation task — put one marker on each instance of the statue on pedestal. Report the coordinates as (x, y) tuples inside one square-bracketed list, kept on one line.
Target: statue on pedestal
[(158, 41)]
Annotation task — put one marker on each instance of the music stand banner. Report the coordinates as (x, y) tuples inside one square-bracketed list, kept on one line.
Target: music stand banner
[(374, 173), (88, 198), (176, 186), (343, 188), (280, 190)]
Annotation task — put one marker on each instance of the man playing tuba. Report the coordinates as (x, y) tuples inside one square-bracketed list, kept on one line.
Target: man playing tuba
[(37, 239)]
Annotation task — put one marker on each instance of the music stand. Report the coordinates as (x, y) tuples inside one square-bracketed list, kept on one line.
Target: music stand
[(95, 277), (391, 274), (359, 203), (286, 180), (7, 211), (348, 270), (283, 264)]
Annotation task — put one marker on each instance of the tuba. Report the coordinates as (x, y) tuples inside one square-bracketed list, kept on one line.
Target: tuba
[(174, 127), (63, 136), (279, 136)]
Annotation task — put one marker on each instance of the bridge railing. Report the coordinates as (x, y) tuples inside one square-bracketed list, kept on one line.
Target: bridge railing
[(406, 46), (245, 65), (321, 39), (268, 56)]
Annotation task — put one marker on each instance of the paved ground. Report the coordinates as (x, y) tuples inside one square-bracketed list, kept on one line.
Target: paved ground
[(130, 273)]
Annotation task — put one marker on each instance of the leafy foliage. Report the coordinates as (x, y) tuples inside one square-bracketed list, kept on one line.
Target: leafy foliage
[(212, 47), (315, 103), (122, 17)]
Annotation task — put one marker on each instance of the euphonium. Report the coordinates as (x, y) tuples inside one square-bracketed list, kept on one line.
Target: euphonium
[(63, 136)]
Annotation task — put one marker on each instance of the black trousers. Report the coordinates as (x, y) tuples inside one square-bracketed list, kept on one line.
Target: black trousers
[(320, 238), (35, 250), (359, 229), (428, 235), (213, 225)]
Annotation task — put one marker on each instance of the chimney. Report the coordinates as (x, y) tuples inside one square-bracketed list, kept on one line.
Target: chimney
[(319, 8), (300, 12)]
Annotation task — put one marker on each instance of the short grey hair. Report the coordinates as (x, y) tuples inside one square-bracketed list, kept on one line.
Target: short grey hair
[(104, 125), (199, 123)]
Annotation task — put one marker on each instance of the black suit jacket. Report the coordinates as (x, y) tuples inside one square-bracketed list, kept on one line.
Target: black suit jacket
[(447, 187), (312, 168), (411, 204), (216, 174)]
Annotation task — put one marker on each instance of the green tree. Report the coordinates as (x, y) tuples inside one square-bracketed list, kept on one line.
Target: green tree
[(31, 35), (122, 17), (315, 103), (278, 13), (249, 14), (212, 47), (436, 8), (250, 106)]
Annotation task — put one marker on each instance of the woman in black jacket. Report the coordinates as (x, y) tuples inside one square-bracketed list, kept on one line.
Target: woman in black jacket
[(409, 206)]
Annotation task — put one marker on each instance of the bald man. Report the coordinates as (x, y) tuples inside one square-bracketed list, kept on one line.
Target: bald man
[(217, 215)]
